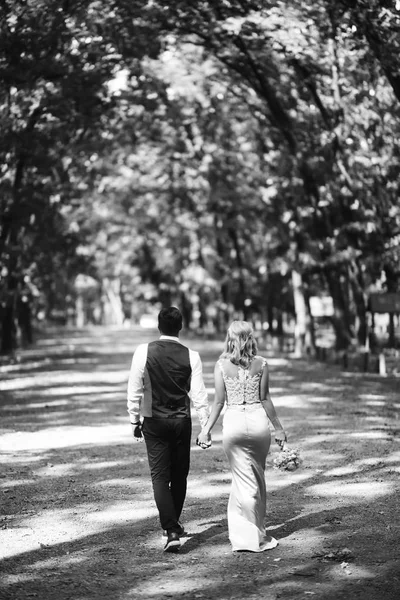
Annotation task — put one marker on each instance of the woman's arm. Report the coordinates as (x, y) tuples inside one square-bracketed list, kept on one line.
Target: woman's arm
[(219, 401), (265, 398)]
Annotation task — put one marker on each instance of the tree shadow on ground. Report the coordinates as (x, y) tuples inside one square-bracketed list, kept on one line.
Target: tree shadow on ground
[(126, 559), (120, 557), (78, 514)]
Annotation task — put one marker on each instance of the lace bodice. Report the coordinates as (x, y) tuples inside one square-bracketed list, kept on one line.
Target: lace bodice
[(244, 388)]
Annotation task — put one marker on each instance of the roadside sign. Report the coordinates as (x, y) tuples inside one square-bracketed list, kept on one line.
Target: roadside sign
[(321, 306), (384, 303)]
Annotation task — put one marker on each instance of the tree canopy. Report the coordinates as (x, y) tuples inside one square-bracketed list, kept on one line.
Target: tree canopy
[(201, 153)]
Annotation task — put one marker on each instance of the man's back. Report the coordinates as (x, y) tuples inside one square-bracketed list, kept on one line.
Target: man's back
[(167, 376), (162, 375)]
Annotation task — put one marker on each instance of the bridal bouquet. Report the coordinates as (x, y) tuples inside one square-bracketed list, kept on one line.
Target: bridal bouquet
[(288, 459)]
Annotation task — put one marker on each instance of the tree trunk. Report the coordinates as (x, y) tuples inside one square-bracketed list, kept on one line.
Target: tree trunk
[(340, 319), (240, 302), (80, 311), (186, 308), (24, 317), (112, 291), (391, 282), (359, 302), (311, 344), (302, 329), (8, 333), (9, 341), (8, 327)]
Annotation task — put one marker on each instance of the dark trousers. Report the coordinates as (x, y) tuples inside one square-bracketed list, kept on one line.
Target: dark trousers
[(168, 451)]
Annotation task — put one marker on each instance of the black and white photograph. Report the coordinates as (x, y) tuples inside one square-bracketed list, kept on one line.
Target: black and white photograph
[(199, 299)]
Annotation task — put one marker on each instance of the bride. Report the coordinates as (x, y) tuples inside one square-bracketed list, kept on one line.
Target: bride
[(241, 377)]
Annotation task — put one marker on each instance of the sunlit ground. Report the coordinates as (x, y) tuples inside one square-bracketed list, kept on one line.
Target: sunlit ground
[(77, 513)]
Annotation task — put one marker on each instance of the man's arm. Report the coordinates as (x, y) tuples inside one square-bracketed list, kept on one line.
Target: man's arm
[(198, 392), (135, 387), (204, 438)]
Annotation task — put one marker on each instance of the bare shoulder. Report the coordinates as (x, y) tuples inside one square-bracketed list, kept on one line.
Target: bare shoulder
[(227, 368), (223, 361), (221, 364), (260, 358), (260, 362)]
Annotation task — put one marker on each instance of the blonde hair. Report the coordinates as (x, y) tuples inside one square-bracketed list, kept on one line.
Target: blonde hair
[(240, 345)]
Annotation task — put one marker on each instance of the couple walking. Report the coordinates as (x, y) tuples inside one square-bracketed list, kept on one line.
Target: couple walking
[(165, 376)]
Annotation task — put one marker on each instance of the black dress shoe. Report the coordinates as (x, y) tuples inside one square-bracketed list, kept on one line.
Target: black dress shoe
[(181, 531), (173, 543)]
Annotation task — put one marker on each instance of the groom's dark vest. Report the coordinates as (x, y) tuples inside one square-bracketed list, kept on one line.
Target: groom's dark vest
[(167, 378)]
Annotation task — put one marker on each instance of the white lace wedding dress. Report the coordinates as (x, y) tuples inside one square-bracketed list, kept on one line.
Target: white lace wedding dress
[(246, 441)]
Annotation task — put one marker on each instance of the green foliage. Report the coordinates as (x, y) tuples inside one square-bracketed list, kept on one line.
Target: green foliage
[(56, 61), (198, 152)]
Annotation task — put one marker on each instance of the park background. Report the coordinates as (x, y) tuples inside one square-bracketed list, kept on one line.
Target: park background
[(239, 159)]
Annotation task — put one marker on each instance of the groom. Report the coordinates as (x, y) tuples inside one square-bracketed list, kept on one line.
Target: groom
[(164, 376)]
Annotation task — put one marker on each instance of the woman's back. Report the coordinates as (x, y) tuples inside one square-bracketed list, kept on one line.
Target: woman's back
[(242, 385), (246, 434)]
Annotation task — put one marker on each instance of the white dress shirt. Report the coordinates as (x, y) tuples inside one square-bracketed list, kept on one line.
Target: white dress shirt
[(197, 393)]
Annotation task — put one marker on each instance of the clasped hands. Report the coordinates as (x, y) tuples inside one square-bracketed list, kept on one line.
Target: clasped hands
[(204, 440)]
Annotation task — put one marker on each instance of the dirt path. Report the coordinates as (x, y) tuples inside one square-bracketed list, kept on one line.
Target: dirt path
[(77, 514)]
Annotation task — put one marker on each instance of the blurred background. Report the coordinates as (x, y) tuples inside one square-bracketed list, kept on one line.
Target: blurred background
[(235, 158)]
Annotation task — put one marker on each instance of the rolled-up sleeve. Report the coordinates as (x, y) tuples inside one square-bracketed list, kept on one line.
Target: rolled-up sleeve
[(135, 382), (198, 392)]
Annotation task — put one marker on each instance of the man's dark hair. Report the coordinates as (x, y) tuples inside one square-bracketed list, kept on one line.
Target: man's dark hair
[(170, 321)]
